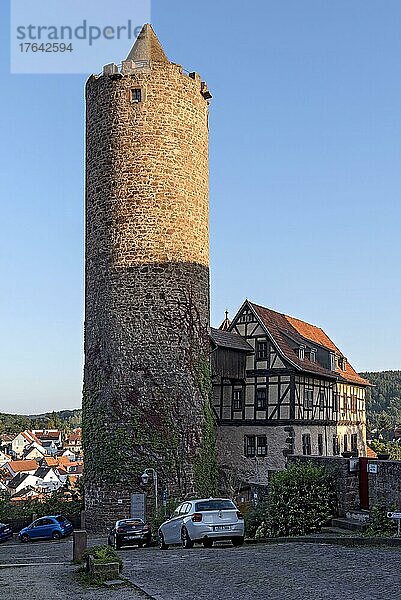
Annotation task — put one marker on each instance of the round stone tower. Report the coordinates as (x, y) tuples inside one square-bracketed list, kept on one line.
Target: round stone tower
[(146, 377)]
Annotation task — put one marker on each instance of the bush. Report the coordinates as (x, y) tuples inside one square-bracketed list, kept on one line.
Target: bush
[(393, 449), (102, 554), (55, 504), (300, 500), (379, 525), (254, 517)]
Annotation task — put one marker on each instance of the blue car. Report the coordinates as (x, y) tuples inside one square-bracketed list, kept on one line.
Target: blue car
[(5, 532), (52, 527)]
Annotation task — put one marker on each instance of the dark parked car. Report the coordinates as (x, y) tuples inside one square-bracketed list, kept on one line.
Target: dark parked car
[(51, 527), (130, 532), (5, 532)]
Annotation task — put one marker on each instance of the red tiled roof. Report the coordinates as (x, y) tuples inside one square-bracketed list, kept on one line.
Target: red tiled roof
[(281, 327), (47, 435), (370, 453), (23, 465), (30, 436), (74, 436)]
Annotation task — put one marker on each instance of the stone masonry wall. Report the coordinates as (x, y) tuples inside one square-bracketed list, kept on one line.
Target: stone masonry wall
[(147, 286), (256, 470), (385, 485)]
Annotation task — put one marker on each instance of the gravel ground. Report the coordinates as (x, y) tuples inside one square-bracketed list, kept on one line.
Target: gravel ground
[(273, 572)]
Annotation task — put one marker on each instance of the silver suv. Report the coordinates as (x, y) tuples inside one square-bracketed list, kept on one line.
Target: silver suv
[(203, 521)]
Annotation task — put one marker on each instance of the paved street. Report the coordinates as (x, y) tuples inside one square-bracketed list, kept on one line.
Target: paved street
[(43, 570), (277, 572)]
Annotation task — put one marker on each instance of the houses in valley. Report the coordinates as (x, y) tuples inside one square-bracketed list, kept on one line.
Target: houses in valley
[(34, 463)]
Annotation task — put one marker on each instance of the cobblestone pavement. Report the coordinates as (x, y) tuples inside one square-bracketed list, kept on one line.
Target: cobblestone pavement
[(279, 572), (43, 571), (272, 572)]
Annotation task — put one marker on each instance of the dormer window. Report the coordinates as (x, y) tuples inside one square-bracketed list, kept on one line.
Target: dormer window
[(332, 361), (301, 352), (313, 355), (343, 363)]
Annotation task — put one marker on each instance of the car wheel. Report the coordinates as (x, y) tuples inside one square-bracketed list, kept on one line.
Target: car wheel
[(25, 538), (207, 543), (185, 539), (56, 535), (237, 541), (162, 544)]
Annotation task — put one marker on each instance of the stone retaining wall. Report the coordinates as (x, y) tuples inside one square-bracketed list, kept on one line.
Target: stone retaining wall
[(385, 485)]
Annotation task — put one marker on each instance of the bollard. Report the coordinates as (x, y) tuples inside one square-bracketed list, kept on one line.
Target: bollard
[(79, 544)]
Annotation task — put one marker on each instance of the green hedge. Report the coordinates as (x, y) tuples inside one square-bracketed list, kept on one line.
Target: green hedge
[(300, 500), (53, 505)]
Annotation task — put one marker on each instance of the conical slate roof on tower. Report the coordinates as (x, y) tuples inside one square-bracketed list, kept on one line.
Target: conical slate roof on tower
[(147, 47)]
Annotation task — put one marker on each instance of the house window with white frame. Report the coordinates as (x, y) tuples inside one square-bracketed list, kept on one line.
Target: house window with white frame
[(322, 398), (261, 445), (250, 445), (238, 397), (261, 398), (261, 349), (255, 445), (308, 398)]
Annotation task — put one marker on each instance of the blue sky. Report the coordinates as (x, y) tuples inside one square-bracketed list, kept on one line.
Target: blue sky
[(305, 161)]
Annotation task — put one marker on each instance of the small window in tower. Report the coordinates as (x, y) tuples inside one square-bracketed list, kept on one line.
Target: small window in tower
[(136, 95)]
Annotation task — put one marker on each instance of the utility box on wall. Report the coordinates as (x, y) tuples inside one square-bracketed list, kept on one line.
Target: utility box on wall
[(138, 506), (353, 465)]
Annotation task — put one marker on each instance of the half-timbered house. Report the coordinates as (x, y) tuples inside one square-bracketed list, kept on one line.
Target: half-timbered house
[(280, 387)]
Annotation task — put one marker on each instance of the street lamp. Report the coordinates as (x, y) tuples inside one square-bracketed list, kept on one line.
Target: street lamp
[(145, 480)]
